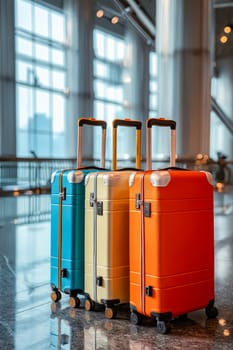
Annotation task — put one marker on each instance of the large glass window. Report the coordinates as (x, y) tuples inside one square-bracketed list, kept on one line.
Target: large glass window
[(220, 136), (160, 136), (109, 51), (153, 85), (40, 79)]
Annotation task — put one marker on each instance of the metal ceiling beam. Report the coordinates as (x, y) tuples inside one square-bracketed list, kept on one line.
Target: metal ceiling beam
[(125, 13), (223, 5), (143, 18)]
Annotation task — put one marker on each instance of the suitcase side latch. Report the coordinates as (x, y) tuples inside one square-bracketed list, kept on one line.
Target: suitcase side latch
[(99, 281), (99, 208), (147, 209), (138, 200), (92, 199), (146, 205), (64, 273), (62, 194), (148, 291)]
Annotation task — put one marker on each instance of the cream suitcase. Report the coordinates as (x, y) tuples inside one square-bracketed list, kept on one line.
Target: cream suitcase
[(107, 232)]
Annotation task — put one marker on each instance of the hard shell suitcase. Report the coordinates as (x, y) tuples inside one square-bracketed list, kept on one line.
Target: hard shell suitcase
[(67, 223), (107, 232), (171, 240)]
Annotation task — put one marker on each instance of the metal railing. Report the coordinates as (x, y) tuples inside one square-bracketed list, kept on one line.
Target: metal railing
[(22, 175), (221, 115), (29, 173)]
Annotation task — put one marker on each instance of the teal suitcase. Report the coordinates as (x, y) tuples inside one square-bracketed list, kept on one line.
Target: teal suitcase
[(67, 223)]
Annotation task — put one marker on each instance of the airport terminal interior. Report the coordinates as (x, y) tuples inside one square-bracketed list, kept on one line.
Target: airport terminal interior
[(106, 60)]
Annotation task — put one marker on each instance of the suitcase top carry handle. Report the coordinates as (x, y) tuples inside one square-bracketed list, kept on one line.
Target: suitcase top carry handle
[(161, 122), (92, 122), (128, 123)]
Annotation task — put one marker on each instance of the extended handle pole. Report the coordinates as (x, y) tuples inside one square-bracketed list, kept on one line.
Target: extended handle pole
[(161, 122), (128, 123), (92, 122)]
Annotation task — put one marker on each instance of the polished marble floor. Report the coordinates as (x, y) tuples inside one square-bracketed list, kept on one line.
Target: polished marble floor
[(29, 320)]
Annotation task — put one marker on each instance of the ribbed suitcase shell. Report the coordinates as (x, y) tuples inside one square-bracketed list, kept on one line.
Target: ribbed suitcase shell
[(107, 231), (171, 240), (106, 236), (67, 223), (171, 249), (72, 245)]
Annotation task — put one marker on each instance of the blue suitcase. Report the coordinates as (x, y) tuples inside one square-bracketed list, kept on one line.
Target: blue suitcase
[(67, 223)]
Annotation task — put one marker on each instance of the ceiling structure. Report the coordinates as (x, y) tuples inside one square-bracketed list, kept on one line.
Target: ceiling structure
[(223, 12), (142, 14)]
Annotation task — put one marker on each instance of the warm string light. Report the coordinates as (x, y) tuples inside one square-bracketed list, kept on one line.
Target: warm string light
[(100, 14), (223, 39), (225, 36), (227, 29), (115, 20)]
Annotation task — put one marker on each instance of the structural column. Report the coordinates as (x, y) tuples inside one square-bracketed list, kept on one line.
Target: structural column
[(80, 74), (184, 65), (7, 79), (136, 84)]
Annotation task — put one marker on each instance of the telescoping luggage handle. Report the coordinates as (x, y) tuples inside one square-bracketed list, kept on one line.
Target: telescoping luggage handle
[(128, 123), (161, 122), (93, 122)]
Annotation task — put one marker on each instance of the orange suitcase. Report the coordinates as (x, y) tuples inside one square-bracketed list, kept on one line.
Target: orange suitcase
[(171, 240)]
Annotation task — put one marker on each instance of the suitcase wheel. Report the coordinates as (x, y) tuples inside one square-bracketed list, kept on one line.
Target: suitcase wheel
[(211, 311), (55, 295), (135, 318), (74, 302), (163, 327), (89, 305), (110, 312)]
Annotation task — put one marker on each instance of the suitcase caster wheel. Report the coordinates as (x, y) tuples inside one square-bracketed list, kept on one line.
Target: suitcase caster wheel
[(55, 296), (74, 302), (89, 305), (163, 327), (110, 312), (211, 311), (135, 318)]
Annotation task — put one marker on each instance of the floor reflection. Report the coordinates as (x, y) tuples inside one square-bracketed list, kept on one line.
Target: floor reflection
[(28, 319), (32, 264)]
